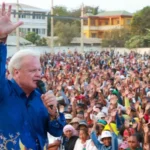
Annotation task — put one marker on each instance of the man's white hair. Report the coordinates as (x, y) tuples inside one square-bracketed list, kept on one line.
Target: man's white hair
[(15, 61)]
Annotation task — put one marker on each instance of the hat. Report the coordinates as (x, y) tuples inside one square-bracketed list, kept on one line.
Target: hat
[(113, 126), (106, 134), (75, 120), (83, 122), (68, 116), (69, 127), (115, 92), (102, 122), (100, 115), (122, 77), (124, 145), (148, 94)]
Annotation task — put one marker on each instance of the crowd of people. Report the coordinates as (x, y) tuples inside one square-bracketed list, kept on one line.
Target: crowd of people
[(105, 97)]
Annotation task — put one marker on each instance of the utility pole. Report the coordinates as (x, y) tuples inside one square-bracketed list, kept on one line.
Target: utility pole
[(17, 29), (52, 28), (82, 35)]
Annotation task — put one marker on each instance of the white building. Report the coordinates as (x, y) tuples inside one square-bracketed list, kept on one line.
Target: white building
[(34, 19)]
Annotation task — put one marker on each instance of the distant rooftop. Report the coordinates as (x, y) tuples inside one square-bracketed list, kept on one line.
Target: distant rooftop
[(111, 13), (24, 7), (77, 40), (11, 41)]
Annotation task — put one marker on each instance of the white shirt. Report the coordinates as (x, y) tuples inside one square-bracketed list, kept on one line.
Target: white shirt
[(90, 145), (79, 145)]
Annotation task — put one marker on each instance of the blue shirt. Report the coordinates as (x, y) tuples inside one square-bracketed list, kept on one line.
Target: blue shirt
[(23, 119)]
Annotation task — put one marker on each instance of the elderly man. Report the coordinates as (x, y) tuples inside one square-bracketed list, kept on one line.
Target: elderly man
[(25, 114)]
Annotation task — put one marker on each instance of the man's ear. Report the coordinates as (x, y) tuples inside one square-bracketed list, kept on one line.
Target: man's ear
[(16, 72)]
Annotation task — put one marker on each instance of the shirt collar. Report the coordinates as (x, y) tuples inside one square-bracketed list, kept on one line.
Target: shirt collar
[(19, 90)]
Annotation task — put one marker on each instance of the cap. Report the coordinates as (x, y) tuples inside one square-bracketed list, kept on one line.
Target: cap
[(113, 126), (83, 122), (124, 145), (102, 122), (68, 116), (106, 134), (115, 92), (100, 115), (75, 120)]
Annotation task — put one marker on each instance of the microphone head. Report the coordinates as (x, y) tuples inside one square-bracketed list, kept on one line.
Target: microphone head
[(41, 86)]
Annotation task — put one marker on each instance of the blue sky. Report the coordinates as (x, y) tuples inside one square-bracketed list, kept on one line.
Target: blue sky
[(129, 5)]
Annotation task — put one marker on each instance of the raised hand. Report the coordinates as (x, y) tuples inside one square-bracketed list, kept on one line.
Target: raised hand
[(137, 105), (145, 128), (89, 110), (146, 146), (108, 119), (128, 111), (147, 106), (6, 26), (141, 114), (113, 113)]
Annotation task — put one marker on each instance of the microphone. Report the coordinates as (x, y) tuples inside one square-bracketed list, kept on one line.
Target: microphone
[(41, 86)]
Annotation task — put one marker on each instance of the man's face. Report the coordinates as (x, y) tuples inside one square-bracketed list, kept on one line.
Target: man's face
[(75, 125), (68, 133), (29, 73), (132, 142), (107, 141)]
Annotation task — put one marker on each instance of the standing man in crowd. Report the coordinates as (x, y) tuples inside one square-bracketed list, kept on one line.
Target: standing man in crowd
[(25, 115)]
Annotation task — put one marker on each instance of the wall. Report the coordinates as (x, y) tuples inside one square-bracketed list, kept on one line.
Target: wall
[(123, 50)]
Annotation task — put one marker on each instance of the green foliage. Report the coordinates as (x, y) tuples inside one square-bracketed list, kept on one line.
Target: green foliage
[(42, 42), (95, 10), (35, 39), (141, 21), (60, 10), (92, 10), (139, 36), (116, 37), (138, 41), (63, 11), (135, 41), (140, 29), (32, 37), (65, 32)]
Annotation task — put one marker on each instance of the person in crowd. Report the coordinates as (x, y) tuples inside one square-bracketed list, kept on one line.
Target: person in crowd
[(108, 139), (81, 141), (70, 137)]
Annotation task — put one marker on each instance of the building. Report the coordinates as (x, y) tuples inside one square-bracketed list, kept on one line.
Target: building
[(96, 25), (34, 19)]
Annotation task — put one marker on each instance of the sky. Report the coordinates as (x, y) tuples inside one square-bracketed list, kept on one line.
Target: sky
[(128, 5)]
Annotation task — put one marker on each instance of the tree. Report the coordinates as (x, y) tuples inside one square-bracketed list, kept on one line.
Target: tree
[(62, 11), (135, 41), (92, 10), (65, 32), (35, 39), (138, 41), (116, 37), (42, 42), (32, 37), (141, 21)]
